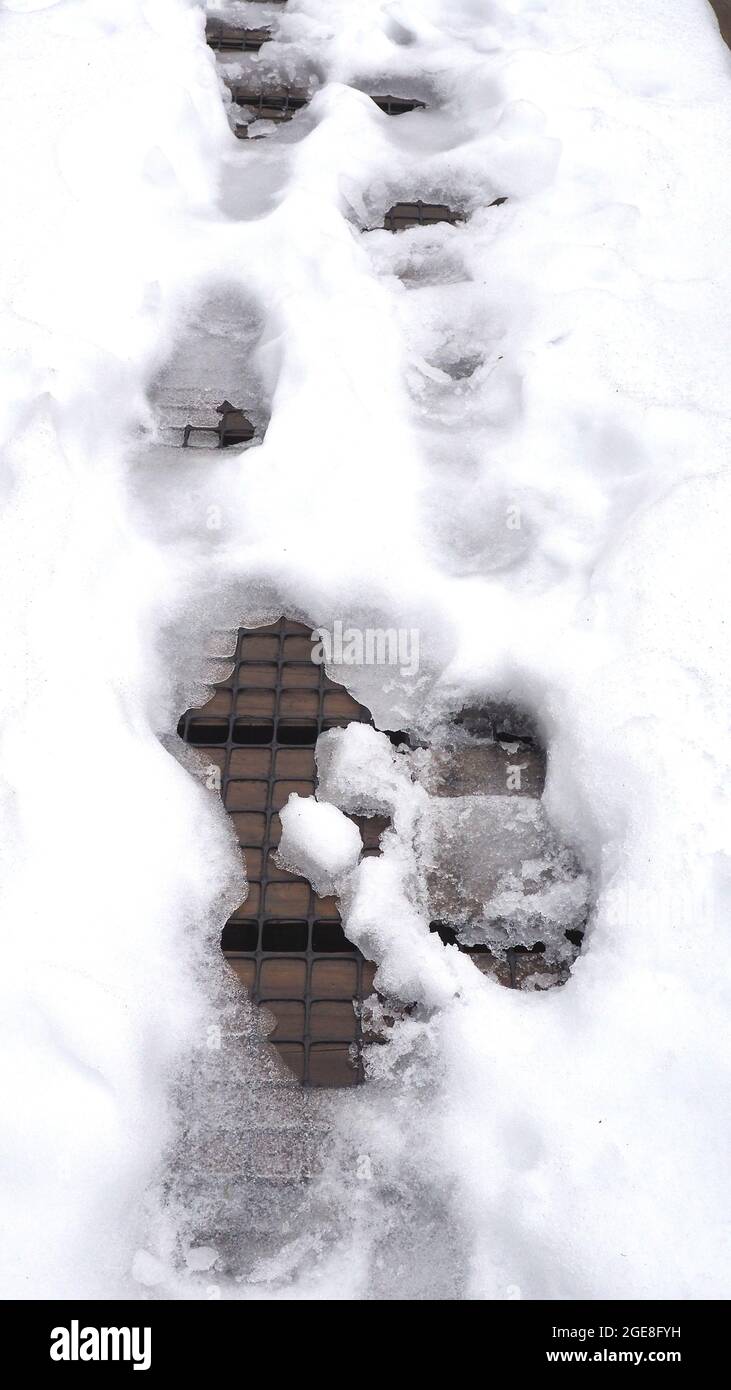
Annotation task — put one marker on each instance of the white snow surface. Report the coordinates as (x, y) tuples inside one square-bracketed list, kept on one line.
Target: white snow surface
[(560, 359), (317, 841)]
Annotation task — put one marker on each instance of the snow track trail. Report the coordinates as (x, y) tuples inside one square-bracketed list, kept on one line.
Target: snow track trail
[(507, 432)]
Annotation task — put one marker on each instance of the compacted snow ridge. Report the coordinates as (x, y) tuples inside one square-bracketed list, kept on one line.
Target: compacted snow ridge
[(507, 434)]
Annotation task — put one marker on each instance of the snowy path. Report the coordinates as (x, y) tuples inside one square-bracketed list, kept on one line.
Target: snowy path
[(561, 358)]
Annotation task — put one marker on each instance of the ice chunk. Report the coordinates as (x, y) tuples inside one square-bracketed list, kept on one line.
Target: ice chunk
[(498, 874)]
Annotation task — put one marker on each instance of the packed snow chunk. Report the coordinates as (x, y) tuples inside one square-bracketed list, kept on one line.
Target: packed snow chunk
[(317, 841), (360, 771)]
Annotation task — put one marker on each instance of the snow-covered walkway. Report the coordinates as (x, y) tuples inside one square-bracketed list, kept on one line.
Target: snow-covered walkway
[(560, 359)]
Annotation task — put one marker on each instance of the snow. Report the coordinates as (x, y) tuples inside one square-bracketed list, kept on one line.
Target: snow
[(511, 436), (317, 841)]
